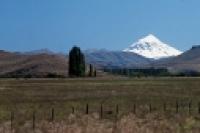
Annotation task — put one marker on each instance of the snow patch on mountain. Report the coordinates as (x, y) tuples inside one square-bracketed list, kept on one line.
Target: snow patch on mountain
[(152, 47)]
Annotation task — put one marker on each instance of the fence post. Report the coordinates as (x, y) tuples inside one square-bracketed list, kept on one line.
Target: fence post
[(87, 109), (164, 107), (73, 110), (117, 109), (101, 111), (189, 107), (177, 106), (199, 107), (52, 114), (150, 108), (134, 108), (33, 126), (11, 120)]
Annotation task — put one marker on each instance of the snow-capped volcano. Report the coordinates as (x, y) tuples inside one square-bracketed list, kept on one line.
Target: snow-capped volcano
[(152, 47)]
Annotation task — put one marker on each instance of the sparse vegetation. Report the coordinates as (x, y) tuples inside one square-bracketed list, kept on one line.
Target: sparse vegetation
[(41, 95)]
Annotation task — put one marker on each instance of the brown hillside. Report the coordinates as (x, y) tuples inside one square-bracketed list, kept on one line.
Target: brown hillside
[(41, 65), (189, 60)]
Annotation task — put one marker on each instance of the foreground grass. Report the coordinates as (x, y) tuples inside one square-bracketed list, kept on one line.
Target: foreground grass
[(130, 123), (25, 96)]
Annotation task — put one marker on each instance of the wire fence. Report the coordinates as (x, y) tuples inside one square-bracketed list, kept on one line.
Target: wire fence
[(109, 112)]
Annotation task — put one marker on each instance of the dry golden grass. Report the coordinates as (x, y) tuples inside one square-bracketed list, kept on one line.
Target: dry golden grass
[(25, 96), (130, 123)]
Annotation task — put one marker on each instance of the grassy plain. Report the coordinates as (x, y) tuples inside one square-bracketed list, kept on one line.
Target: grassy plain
[(25, 96)]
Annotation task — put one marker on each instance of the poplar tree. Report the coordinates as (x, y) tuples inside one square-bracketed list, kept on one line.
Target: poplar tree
[(76, 62)]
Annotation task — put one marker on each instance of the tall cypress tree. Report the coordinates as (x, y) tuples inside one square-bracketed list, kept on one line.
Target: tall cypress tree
[(76, 62)]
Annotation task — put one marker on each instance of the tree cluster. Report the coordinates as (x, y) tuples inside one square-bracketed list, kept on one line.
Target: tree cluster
[(77, 65)]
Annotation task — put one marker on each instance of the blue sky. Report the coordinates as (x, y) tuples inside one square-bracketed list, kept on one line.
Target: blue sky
[(112, 24)]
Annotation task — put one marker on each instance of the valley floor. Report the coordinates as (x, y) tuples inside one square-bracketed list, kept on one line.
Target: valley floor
[(111, 99)]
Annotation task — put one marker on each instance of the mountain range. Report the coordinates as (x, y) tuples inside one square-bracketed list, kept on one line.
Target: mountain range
[(115, 59), (148, 52), (144, 53)]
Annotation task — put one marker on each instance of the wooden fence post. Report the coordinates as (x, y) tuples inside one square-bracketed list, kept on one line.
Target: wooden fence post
[(11, 120), (189, 107), (177, 107), (101, 111), (73, 110), (150, 108), (199, 107), (164, 107), (87, 109), (134, 108), (117, 109), (33, 126), (52, 114)]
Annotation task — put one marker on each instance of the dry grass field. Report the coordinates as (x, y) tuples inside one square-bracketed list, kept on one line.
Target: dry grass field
[(128, 105)]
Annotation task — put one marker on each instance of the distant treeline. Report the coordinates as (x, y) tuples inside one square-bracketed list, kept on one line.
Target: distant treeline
[(38, 75), (151, 72)]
